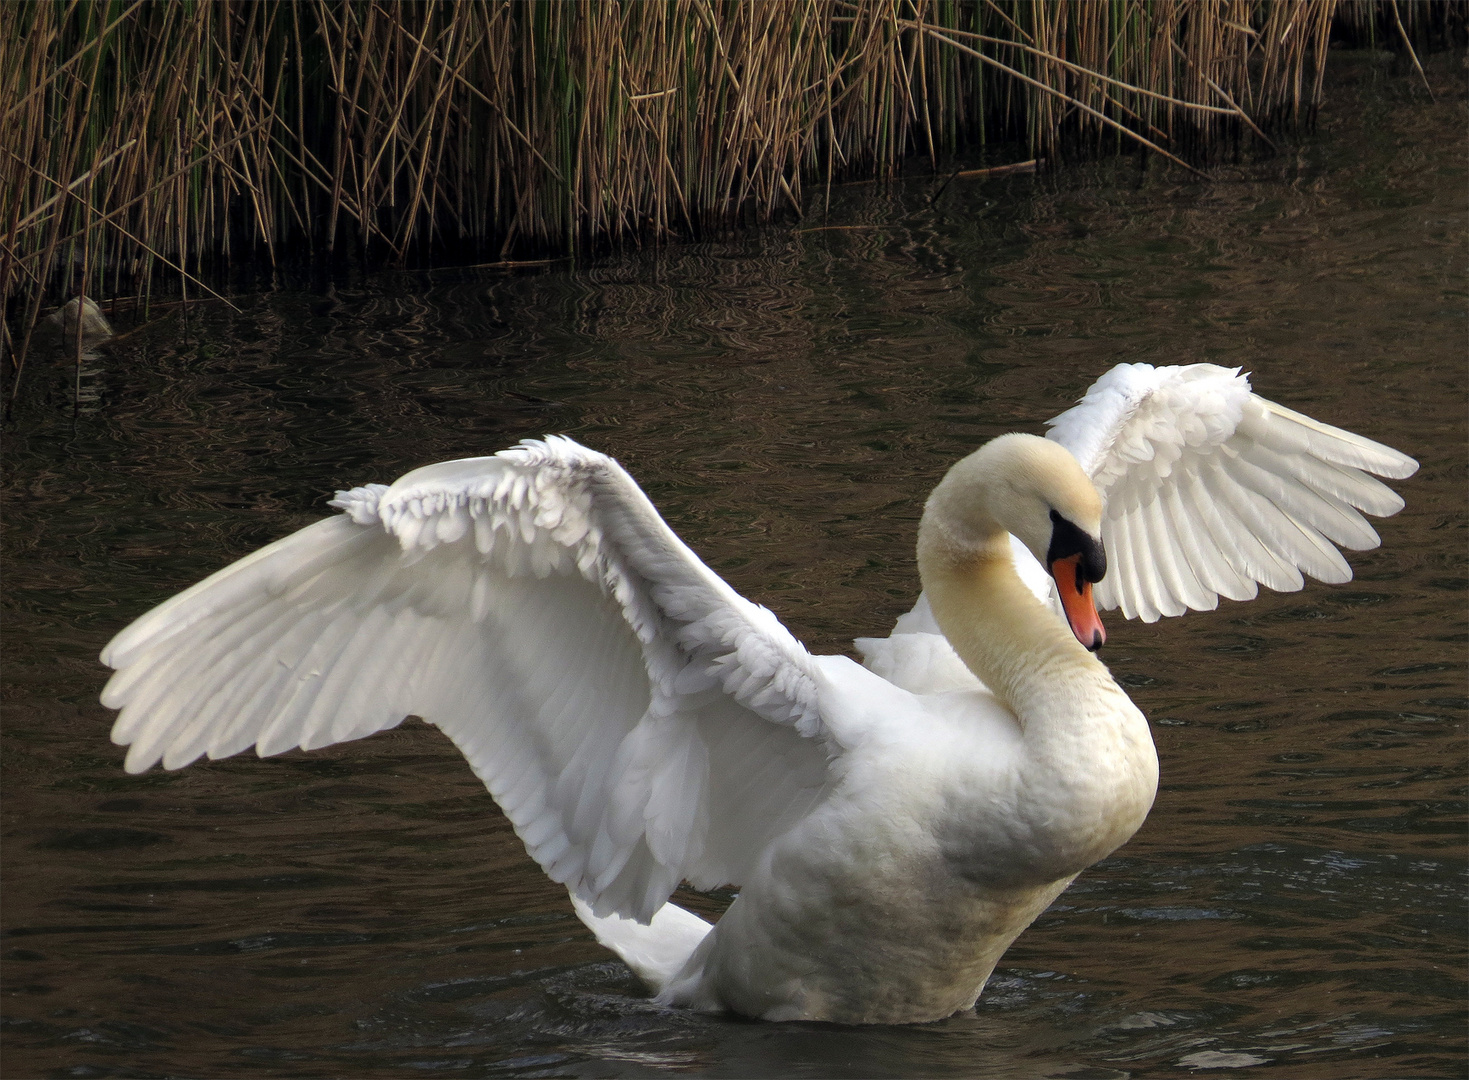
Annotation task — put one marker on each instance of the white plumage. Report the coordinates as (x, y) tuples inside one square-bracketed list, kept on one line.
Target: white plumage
[(641, 724), (1210, 488), (535, 607)]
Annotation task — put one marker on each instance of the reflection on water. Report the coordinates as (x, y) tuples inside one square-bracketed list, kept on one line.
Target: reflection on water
[(1294, 903)]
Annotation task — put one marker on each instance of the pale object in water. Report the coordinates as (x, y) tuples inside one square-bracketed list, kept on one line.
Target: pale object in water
[(94, 324)]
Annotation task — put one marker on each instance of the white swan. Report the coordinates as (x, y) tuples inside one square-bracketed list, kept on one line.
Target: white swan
[(893, 827)]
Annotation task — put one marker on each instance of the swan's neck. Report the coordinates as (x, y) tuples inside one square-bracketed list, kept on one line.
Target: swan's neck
[(1018, 648), (1089, 770)]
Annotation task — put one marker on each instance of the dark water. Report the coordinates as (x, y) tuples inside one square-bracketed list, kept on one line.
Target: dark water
[(1295, 904)]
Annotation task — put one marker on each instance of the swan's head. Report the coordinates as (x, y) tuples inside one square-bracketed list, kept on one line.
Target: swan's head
[(1035, 489)]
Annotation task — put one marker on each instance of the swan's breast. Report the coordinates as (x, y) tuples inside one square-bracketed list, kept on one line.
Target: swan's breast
[(856, 916), (1005, 810), (942, 837)]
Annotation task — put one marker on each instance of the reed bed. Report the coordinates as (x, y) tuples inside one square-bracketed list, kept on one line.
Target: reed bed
[(142, 138)]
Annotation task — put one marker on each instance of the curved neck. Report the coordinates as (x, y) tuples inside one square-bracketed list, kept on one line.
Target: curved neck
[(1005, 636), (1089, 770)]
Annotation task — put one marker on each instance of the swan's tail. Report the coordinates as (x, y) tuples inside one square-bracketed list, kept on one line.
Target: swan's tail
[(655, 952)]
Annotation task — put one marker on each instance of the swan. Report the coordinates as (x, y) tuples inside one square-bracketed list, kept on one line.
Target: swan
[(892, 825)]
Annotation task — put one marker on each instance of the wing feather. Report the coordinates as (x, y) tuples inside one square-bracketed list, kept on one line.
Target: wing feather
[(1176, 582), (1202, 563), (1235, 576), (1320, 493), (637, 720), (1211, 489), (1245, 535), (1159, 552), (1135, 601)]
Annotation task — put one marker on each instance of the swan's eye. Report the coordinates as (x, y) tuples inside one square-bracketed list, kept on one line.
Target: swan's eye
[(1066, 540)]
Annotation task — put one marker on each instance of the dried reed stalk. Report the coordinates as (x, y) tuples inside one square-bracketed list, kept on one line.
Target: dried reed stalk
[(147, 135)]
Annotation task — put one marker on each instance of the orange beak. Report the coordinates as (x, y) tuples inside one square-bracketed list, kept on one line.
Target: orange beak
[(1076, 601)]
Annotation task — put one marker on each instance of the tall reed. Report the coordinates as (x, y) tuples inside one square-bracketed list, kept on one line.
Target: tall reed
[(141, 137)]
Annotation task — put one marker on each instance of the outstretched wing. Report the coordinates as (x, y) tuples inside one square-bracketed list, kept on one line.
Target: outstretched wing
[(637, 720), (1210, 489)]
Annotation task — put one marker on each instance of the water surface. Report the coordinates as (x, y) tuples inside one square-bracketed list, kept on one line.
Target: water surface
[(1292, 907)]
